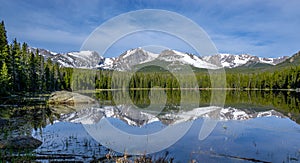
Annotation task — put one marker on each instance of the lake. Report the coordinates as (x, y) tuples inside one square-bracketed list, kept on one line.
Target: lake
[(169, 125)]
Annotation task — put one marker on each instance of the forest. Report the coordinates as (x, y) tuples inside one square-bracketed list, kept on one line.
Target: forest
[(24, 71)]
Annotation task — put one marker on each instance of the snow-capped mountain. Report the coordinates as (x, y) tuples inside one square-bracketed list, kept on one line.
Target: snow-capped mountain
[(176, 57), (137, 117), (231, 61), (43, 52), (131, 58), (82, 59), (170, 58)]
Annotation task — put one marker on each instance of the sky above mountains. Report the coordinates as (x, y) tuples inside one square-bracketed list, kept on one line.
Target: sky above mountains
[(268, 28)]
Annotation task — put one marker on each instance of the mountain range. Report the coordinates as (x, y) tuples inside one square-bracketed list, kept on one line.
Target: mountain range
[(138, 57)]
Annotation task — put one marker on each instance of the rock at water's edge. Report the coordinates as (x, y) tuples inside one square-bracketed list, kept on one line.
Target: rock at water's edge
[(20, 142), (69, 98)]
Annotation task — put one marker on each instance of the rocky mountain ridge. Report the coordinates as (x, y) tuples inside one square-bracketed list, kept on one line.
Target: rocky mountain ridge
[(138, 56)]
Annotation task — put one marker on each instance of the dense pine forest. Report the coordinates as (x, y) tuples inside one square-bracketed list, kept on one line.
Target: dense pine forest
[(284, 78), (287, 77), (24, 71)]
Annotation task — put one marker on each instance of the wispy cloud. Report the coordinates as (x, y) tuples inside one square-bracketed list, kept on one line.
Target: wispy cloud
[(160, 21), (52, 36)]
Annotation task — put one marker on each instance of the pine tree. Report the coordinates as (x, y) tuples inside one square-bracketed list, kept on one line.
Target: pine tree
[(32, 72), (49, 77), (3, 37), (16, 65), (4, 79), (24, 62), (3, 44), (4, 55), (56, 73), (39, 66)]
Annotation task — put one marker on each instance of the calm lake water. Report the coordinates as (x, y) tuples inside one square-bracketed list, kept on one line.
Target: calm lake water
[(252, 126)]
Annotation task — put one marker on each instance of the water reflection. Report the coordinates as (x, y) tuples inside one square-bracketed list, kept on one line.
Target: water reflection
[(285, 102), (17, 121), (139, 118), (253, 125)]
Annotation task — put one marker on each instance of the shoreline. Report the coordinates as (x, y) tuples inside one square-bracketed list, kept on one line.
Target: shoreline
[(226, 89)]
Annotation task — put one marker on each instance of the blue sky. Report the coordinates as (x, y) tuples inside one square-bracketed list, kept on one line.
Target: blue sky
[(268, 28)]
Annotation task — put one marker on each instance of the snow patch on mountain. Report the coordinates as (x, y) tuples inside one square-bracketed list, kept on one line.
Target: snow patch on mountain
[(106, 63), (131, 58), (81, 59), (232, 61), (185, 58)]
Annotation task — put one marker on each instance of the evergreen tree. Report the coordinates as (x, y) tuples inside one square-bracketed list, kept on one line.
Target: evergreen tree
[(24, 62), (4, 79), (15, 65), (32, 73), (47, 78), (3, 37), (4, 55)]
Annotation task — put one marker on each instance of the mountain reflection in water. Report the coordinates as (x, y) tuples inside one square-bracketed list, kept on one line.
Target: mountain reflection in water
[(252, 126), (240, 134)]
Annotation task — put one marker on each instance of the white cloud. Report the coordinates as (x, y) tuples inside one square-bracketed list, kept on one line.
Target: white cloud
[(50, 36), (144, 20), (259, 27)]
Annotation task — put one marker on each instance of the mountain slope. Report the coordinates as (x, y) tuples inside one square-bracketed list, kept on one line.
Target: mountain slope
[(253, 64), (251, 67), (131, 58), (175, 57), (82, 59), (294, 60), (232, 61)]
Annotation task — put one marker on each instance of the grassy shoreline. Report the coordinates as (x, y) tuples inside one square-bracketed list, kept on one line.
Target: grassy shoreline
[(156, 88)]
